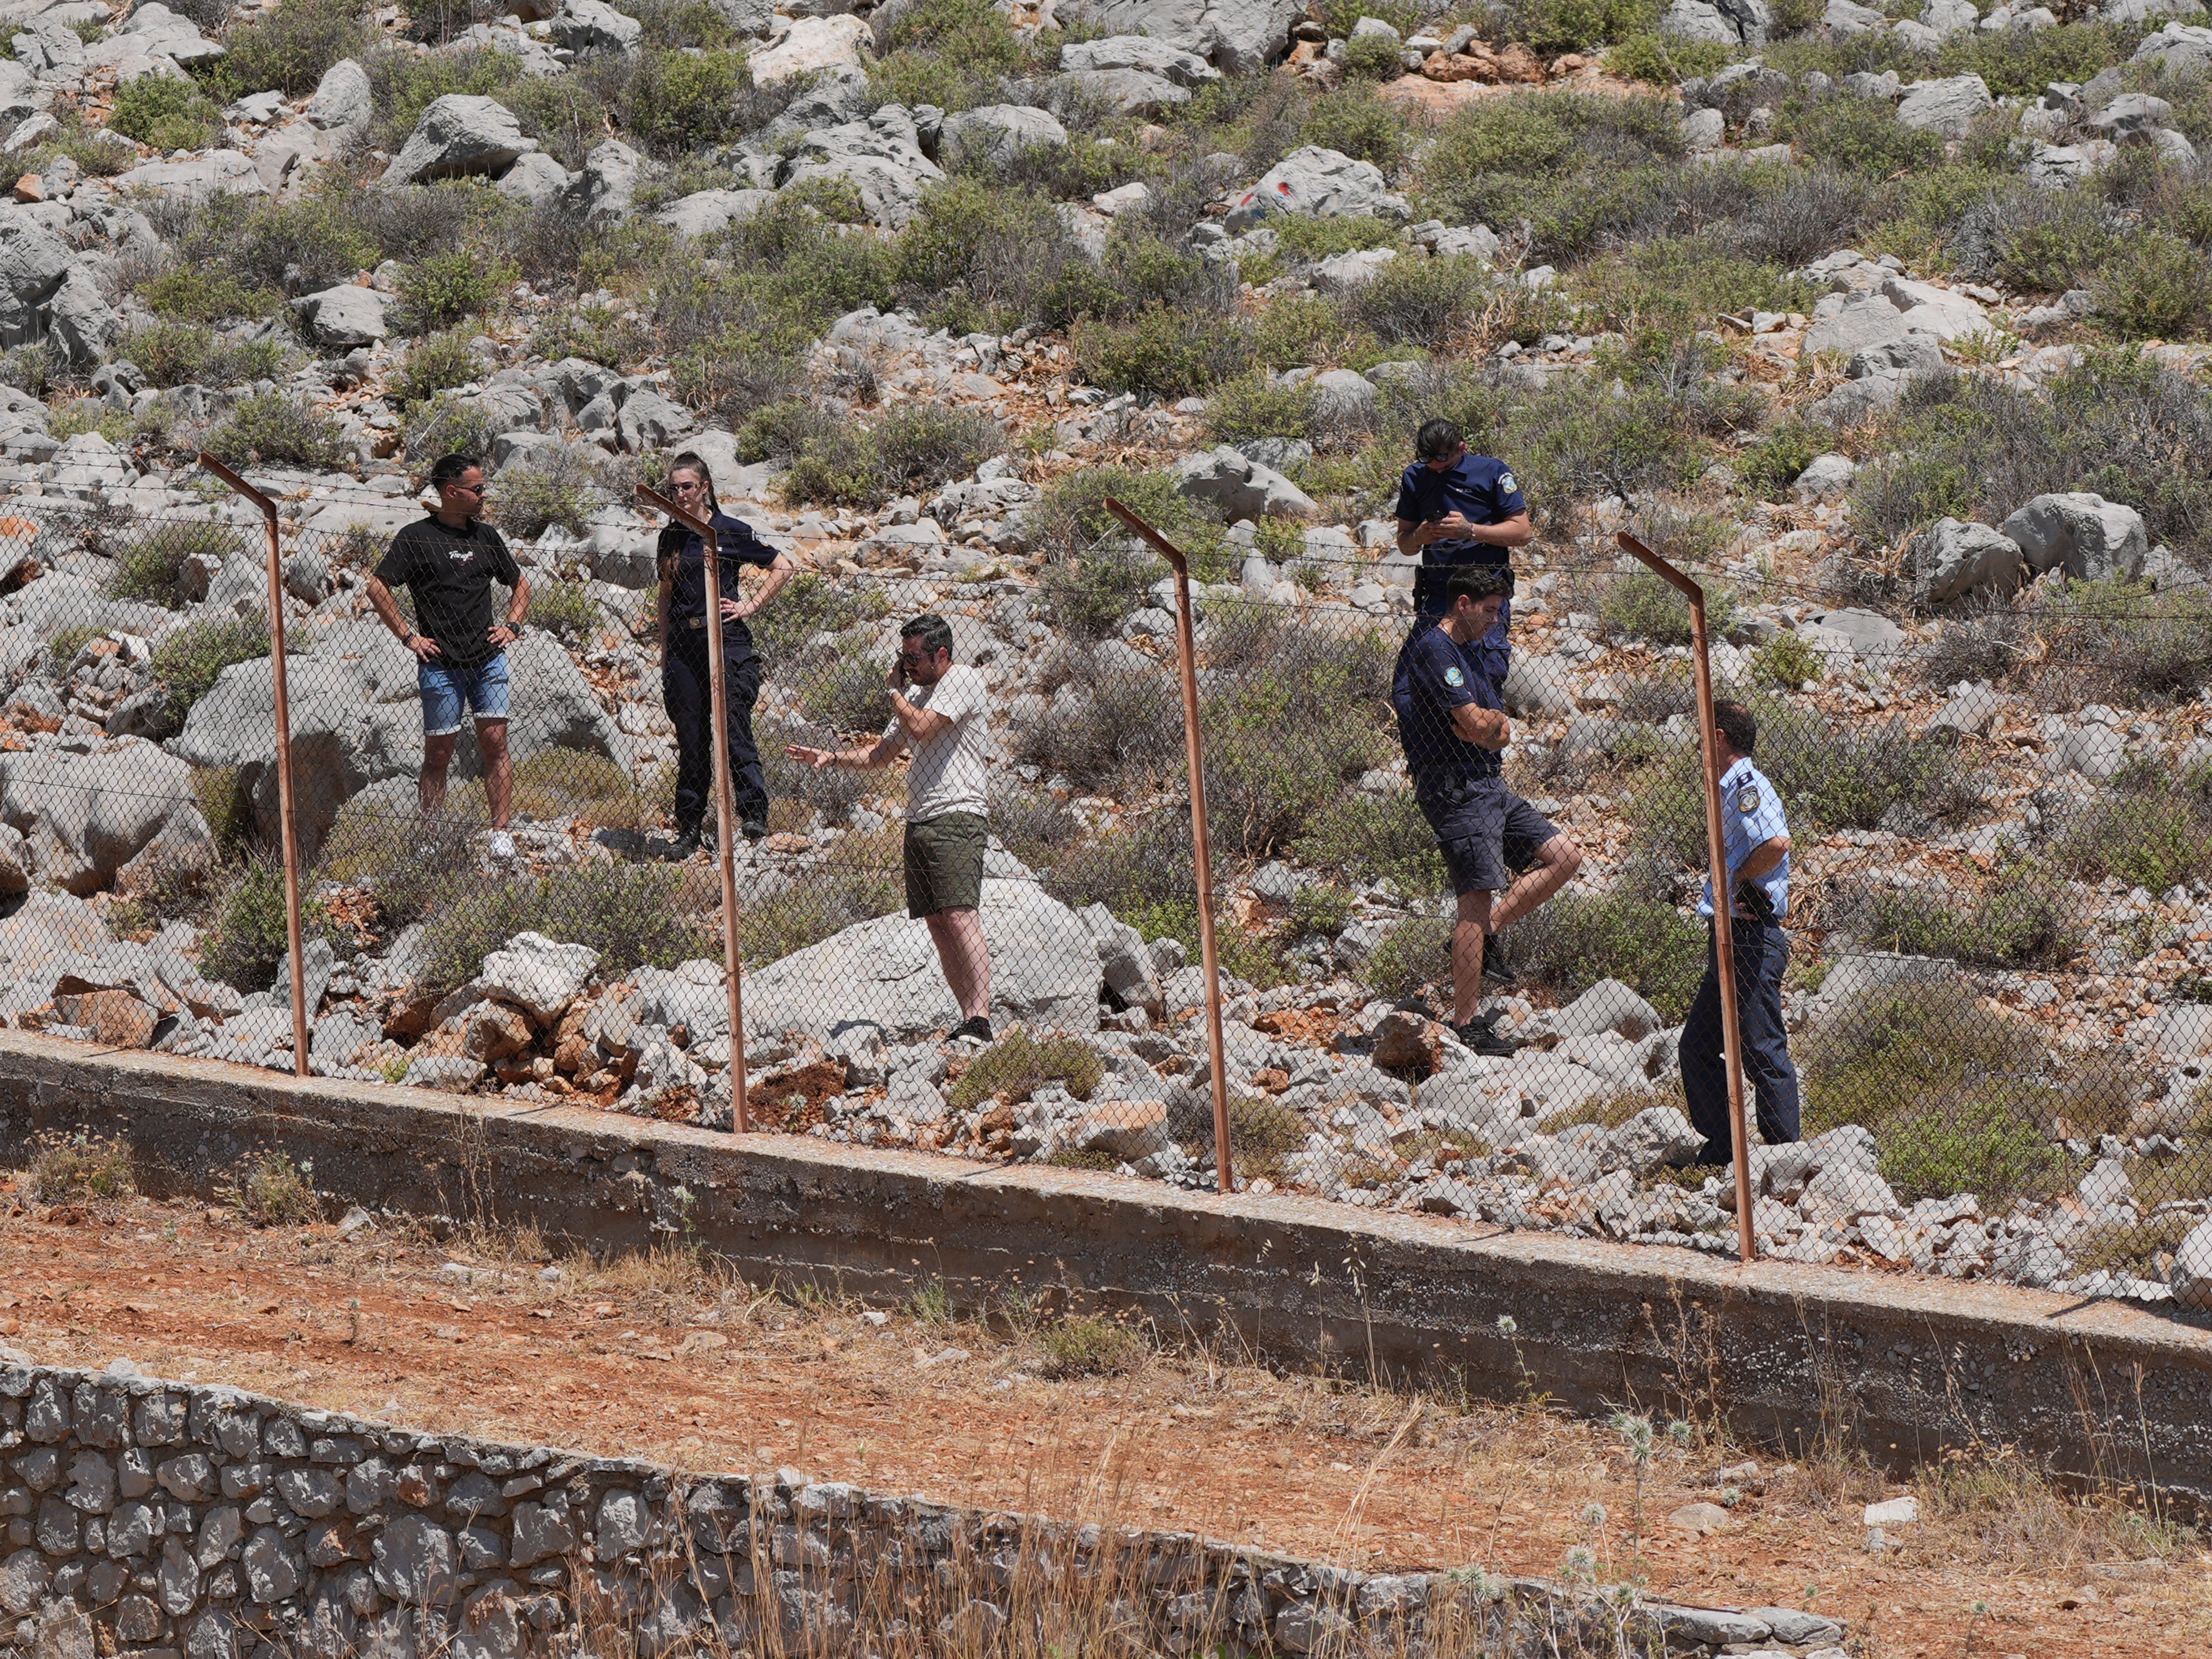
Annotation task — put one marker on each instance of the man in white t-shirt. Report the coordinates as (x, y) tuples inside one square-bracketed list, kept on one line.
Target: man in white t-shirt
[(943, 722)]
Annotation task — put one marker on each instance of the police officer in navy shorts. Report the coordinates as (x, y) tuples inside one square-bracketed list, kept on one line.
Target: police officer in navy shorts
[(1452, 722), (1455, 509), (1756, 834)]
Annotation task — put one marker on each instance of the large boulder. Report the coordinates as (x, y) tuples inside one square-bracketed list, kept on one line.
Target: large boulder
[(1140, 52), (342, 317), (1324, 183), (1124, 91), (539, 975), (1722, 22), (1955, 560), (584, 26), (705, 212), (2088, 538), (2179, 46), (602, 192), (218, 172), (1948, 106), (32, 262), (87, 816), (1240, 487), (1242, 37), (458, 135), (355, 721), (81, 321), (881, 157), (1848, 323), (2191, 1277), (814, 46), (343, 103), (154, 31), (996, 134), (1045, 973)]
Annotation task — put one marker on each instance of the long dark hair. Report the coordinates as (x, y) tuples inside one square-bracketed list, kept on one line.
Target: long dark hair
[(690, 461)]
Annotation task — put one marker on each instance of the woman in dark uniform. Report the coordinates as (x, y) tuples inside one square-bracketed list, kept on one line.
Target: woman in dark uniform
[(684, 678)]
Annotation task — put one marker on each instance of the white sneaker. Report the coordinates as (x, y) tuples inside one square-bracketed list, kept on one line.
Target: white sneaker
[(503, 844)]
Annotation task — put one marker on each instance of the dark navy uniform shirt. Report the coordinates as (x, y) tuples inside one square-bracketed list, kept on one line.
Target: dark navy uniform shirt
[(1432, 678), (1480, 487), (738, 545)]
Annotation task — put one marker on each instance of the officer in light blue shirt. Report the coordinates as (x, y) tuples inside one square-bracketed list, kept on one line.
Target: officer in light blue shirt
[(1755, 839)]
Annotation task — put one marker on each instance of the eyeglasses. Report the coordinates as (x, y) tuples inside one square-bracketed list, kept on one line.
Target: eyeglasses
[(476, 489), (692, 488)]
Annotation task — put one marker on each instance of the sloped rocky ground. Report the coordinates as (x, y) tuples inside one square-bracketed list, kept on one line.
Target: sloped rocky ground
[(1886, 326)]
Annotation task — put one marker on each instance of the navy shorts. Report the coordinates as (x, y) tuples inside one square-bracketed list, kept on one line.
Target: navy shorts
[(1486, 832)]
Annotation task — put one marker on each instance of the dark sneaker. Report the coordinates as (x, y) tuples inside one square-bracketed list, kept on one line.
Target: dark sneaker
[(1498, 968), (979, 1027), (1480, 1036), (754, 828), (685, 844)]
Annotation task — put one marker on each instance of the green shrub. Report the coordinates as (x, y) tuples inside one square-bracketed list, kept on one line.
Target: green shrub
[(912, 446), (1374, 57), (1355, 122), (1171, 350), (2022, 919), (551, 488), (1631, 933), (923, 445), (1415, 955), (857, 881), (276, 427), (1320, 907), (1342, 16), (1089, 595), (446, 425), (269, 1190), (205, 296), (953, 53), (811, 604), (180, 354), (1679, 284), (679, 100), (1663, 61), (1363, 837), (226, 803), (406, 84), (2155, 287), (62, 648), (247, 937), (1768, 468), (565, 609), (442, 290), (188, 662), (1786, 662), (2133, 647), (846, 693), (1253, 405), (1861, 136), (76, 1169), (631, 914), (1070, 516), (290, 47), (1089, 1344), (1423, 302), (148, 567), (1018, 1065), (436, 363), (166, 114), (1643, 605), (2151, 837), (1960, 1098), (1557, 25)]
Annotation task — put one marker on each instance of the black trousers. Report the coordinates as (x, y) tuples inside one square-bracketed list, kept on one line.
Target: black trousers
[(684, 688), (1762, 953)]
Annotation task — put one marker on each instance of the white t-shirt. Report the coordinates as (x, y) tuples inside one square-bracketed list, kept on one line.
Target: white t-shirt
[(948, 773)]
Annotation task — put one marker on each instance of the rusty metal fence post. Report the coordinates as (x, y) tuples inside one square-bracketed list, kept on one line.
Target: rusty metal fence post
[(1723, 899), (725, 809), (1194, 748), (289, 833)]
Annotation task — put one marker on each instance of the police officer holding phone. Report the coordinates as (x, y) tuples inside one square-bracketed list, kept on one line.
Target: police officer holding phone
[(1454, 509), (1755, 837)]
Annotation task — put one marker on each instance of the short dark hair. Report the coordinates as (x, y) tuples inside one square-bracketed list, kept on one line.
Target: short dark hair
[(1478, 582), (1438, 440), (1736, 724), (934, 632), (451, 469)]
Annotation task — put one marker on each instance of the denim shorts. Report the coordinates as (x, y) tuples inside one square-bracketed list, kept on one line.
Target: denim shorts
[(1486, 832), (448, 692)]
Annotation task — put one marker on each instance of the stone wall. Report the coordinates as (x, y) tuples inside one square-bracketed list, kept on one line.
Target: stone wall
[(151, 1518)]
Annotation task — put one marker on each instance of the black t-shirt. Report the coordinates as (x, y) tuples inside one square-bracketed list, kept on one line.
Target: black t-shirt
[(1432, 678), (450, 573), (737, 546)]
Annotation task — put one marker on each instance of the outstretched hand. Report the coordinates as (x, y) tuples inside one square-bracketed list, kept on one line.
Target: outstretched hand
[(817, 758)]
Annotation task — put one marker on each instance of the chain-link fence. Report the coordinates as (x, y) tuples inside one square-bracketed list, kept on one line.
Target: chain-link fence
[(1997, 993)]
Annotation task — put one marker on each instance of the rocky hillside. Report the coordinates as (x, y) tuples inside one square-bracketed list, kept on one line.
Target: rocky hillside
[(1888, 325)]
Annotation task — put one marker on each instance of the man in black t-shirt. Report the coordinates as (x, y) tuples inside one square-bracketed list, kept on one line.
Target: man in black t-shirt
[(449, 561), (1496, 846)]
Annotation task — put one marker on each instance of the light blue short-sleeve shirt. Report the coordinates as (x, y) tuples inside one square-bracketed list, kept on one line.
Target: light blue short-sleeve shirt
[(1751, 816)]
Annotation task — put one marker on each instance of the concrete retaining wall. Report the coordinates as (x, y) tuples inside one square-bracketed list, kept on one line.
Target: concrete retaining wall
[(156, 1519), (1900, 1367)]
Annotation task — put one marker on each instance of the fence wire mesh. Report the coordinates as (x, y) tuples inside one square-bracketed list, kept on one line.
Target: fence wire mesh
[(1998, 988)]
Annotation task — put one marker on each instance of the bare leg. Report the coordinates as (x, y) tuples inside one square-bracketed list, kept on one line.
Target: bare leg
[(958, 936), (1467, 954), (498, 770), (437, 755), (1556, 860)]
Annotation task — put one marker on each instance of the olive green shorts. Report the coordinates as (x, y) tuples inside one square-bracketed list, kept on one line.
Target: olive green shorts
[(945, 863)]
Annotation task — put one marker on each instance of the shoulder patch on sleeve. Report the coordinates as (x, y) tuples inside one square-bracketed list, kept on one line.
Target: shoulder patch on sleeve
[(1505, 482), (1456, 676), (1747, 800)]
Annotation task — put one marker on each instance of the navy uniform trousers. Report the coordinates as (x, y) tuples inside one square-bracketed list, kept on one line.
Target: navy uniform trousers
[(684, 688), (1762, 953)]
